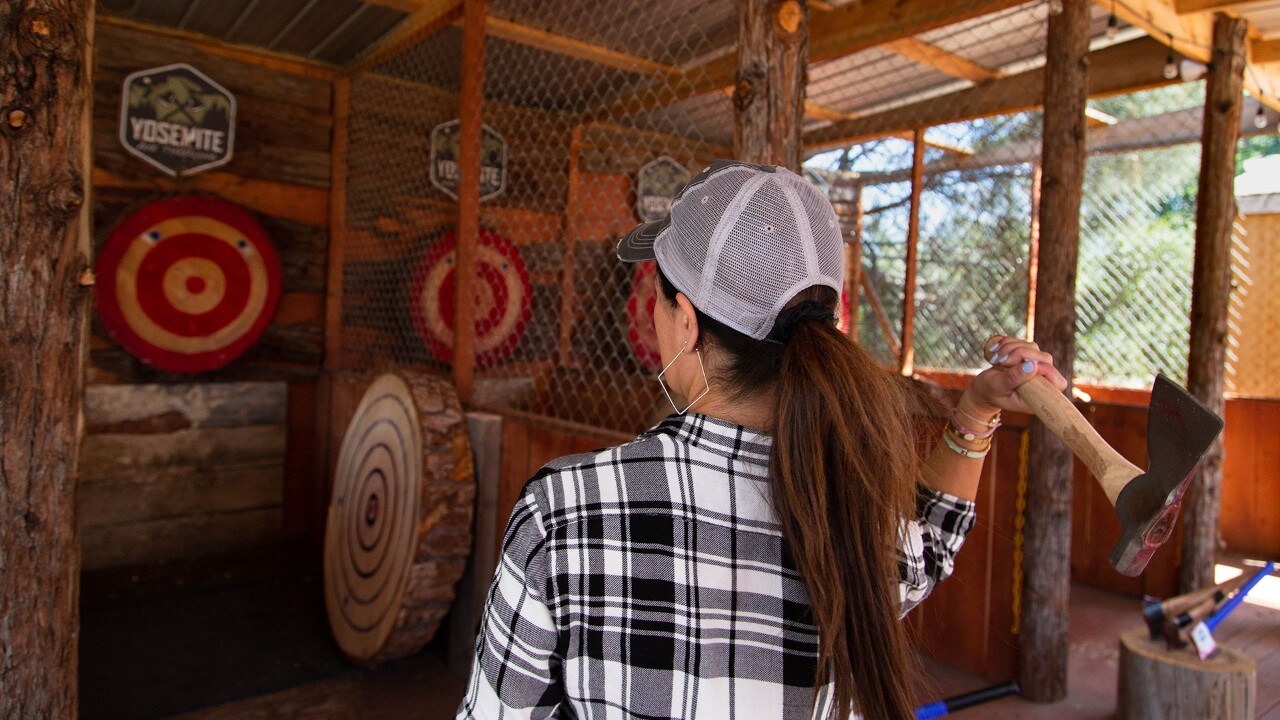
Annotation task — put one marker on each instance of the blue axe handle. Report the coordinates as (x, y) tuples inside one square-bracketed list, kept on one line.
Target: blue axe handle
[(960, 702), (1215, 619)]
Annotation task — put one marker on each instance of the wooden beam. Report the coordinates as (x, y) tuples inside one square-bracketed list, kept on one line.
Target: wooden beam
[(853, 263), (1211, 289), (1033, 249), (1192, 37), (1097, 118), (843, 31), (471, 113), (251, 54), (1042, 656), (1264, 51), (1122, 68), (906, 361), (882, 317), (572, 47), (432, 17), (935, 57), (45, 249), (300, 203), (333, 328), (1187, 7)]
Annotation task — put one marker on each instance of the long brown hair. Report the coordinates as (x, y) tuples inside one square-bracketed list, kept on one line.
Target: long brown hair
[(842, 471)]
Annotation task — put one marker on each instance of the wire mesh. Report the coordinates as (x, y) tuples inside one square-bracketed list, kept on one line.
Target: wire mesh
[(579, 97)]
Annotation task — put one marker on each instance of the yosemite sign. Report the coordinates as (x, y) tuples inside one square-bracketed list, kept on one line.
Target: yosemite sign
[(177, 119), (446, 151)]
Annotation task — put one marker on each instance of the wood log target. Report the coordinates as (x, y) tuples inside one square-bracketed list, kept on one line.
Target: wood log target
[(503, 305), (399, 527), (642, 338), (187, 284)]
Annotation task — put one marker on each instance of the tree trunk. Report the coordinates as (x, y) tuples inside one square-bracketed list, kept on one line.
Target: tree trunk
[(45, 93), (1047, 565), (768, 97), (1157, 683), (1211, 288)]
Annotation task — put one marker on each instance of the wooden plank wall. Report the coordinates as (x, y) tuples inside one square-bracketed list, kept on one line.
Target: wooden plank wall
[(1253, 359), (177, 466)]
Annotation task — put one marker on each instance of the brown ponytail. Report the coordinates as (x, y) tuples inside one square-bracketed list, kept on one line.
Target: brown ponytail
[(843, 471)]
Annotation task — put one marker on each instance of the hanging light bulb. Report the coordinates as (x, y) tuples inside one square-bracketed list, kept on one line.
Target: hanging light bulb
[(1113, 27), (1055, 7), (1170, 65), (1260, 118)]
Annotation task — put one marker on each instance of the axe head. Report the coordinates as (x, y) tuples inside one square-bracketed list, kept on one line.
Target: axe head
[(1180, 431)]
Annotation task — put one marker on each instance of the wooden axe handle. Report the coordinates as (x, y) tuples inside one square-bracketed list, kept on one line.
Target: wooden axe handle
[(1064, 420), (1176, 605)]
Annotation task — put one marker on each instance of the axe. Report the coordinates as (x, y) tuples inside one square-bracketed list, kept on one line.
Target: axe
[(1157, 612), (1202, 633), (1179, 432)]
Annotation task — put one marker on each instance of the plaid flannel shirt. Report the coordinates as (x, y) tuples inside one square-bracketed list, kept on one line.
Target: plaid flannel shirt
[(650, 581)]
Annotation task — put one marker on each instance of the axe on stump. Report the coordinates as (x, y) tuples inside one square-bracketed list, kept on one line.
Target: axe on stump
[(1179, 433), (1202, 633)]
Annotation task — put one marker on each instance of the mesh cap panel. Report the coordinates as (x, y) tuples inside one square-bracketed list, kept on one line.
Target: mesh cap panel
[(744, 239)]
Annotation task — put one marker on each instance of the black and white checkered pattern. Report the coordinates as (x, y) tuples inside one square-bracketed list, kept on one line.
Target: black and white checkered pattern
[(650, 581)]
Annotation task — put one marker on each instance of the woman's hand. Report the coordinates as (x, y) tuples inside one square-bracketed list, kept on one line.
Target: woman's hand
[(1013, 362)]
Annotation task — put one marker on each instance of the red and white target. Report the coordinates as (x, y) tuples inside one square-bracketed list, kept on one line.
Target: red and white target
[(503, 297), (187, 284), (641, 335)]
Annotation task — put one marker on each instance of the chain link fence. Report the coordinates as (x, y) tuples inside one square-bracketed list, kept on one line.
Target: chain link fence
[(593, 118)]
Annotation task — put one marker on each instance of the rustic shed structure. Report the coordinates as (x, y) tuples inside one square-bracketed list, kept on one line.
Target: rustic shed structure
[(443, 181)]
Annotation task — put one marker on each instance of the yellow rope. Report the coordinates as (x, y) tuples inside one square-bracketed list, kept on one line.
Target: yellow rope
[(1019, 522)]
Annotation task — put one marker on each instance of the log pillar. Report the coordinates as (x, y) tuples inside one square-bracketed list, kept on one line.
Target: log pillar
[(768, 96), (1042, 663), (1211, 288), (45, 98), (470, 113), (907, 358)]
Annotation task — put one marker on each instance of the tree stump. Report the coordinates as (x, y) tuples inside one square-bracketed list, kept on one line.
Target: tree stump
[(399, 528), (1161, 684)]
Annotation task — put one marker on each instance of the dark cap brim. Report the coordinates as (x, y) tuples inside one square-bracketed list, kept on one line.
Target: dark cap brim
[(637, 245)]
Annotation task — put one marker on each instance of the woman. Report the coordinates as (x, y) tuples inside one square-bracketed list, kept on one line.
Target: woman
[(749, 557)]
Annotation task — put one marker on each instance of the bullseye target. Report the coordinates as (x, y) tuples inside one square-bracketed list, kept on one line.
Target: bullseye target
[(503, 298), (399, 525), (373, 517), (641, 336), (187, 284)]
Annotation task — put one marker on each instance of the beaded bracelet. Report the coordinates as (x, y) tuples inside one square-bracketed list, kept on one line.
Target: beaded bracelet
[(971, 454), (968, 434)]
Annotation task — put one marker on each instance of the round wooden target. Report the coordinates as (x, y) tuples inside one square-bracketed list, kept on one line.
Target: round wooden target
[(399, 528), (641, 336), (187, 284), (503, 302)]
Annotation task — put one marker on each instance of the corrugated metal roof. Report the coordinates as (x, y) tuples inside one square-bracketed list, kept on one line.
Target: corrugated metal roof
[(331, 31)]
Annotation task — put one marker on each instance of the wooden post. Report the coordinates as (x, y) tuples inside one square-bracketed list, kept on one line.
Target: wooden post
[(46, 89), (853, 263), (1211, 288), (333, 356), (1047, 568), (1033, 249), (768, 96), (1157, 682), (571, 211), (907, 360), (470, 111)]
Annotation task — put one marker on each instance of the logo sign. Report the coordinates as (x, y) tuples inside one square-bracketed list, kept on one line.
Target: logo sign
[(656, 186), (177, 119), (446, 151)]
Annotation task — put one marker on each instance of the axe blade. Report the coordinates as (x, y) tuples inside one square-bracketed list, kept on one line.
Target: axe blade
[(1180, 431)]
